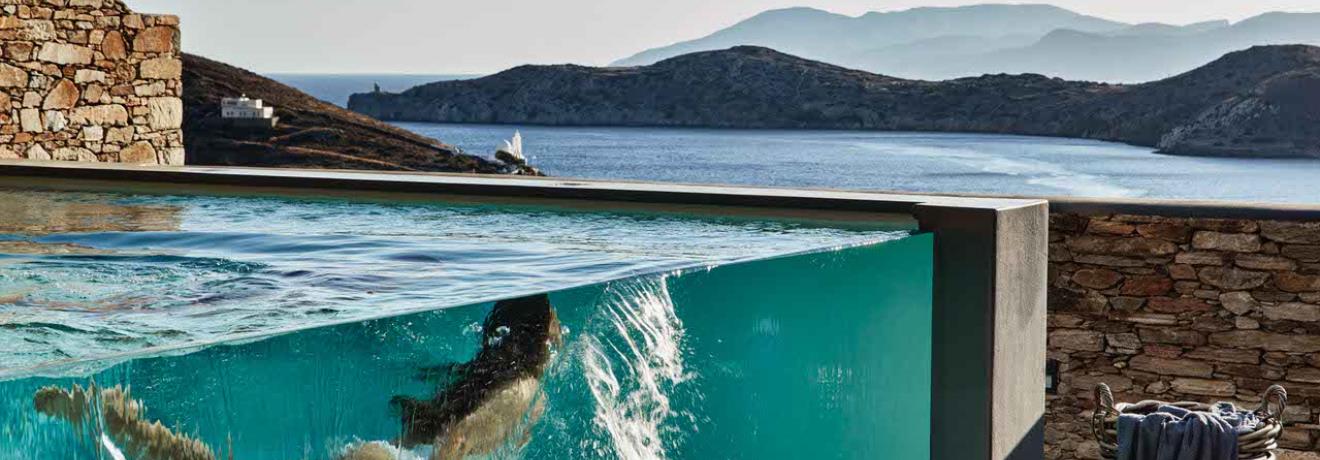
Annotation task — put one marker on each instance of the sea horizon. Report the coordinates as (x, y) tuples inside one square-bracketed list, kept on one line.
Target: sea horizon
[(336, 88)]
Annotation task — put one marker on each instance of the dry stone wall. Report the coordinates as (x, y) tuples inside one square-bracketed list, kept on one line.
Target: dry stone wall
[(1183, 309), (89, 80)]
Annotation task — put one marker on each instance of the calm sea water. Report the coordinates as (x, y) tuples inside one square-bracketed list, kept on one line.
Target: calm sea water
[(336, 89), (923, 162), (972, 163)]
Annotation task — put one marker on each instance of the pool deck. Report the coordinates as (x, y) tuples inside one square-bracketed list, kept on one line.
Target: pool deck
[(989, 331)]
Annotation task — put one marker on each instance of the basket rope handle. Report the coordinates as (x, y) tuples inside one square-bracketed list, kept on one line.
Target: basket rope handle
[(1104, 400), (1104, 407), (1274, 397)]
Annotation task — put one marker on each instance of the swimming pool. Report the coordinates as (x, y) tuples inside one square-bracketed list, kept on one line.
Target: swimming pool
[(188, 321), (682, 340)]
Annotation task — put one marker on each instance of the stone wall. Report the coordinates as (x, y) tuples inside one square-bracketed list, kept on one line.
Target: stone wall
[(1182, 309), (89, 80)]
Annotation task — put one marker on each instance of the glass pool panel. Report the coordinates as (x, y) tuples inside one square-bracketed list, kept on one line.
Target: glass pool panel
[(816, 355)]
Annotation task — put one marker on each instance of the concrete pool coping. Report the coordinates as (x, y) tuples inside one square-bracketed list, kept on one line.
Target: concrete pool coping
[(988, 333), (624, 191)]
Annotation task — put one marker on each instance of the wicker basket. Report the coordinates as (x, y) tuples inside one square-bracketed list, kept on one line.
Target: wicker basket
[(1256, 445)]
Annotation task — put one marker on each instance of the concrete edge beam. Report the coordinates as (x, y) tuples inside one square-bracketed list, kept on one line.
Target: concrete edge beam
[(989, 336), (500, 186)]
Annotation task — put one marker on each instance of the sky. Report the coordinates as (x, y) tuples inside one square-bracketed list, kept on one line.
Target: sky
[(485, 36)]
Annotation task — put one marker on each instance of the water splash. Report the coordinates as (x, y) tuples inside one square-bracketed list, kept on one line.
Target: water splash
[(634, 365)]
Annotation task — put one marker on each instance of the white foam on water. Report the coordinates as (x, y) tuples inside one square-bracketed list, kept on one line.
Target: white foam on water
[(1033, 171), (633, 365), (381, 450)]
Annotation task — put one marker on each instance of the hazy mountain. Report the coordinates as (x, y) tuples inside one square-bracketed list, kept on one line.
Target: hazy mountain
[(943, 43), (1132, 56), (836, 38), (1155, 28), (1258, 102)]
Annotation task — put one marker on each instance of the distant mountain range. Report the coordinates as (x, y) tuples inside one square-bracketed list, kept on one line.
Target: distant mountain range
[(943, 43), (1258, 102)]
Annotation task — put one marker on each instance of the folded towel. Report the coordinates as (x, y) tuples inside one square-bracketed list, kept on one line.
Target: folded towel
[(1243, 421), (1174, 433)]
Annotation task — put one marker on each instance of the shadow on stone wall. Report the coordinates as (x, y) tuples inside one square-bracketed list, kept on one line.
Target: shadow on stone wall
[(1182, 309)]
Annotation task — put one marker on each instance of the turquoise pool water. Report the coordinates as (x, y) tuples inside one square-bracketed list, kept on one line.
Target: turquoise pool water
[(89, 274), (818, 355), (269, 327)]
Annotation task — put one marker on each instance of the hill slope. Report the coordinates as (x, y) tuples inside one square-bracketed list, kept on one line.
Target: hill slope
[(311, 133), (1249, 103)]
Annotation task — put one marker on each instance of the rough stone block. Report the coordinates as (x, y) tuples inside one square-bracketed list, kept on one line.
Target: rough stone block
[(1200, 258), (1204, 387), (1171, 335), (1292, 311), (1134, 247), (165, 112), (1240, 303), (1264, 262), (13, 77), (1296, 282), (64, 96), (1164, 366), (64, 53), (1234, 279), (154, 40), (1225, 225), (1106, 227), (114, 47), (1168, 231), (1291, 232), (31, 121), (1077, 339), (1177, 305), (1271, 341), (1145, 286), (139, 153), (1231, 242), (1302, 252), (1304, 374), (161, 68), (1226, 355)]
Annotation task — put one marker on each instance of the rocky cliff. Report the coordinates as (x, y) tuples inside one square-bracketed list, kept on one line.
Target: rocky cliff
[(1259, 102), (311, 133)]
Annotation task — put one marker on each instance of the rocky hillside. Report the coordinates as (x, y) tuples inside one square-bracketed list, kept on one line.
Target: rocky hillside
[(311, 133), (1259, 102)]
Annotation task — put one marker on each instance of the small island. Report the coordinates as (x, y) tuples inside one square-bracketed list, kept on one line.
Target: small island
[(1259, 102)]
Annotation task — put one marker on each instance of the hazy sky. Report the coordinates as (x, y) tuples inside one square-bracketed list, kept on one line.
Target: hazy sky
[(482, 36)]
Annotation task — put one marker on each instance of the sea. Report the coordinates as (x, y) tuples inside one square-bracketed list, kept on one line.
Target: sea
[(336, 88), (865, 160)]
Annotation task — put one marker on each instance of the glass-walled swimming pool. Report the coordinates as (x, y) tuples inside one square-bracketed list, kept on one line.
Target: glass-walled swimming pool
[(263, 327)]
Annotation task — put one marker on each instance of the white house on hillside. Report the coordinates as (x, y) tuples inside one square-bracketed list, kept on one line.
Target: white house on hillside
[(242, 107)]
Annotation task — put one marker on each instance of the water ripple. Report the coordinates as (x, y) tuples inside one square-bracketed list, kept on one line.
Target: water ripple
[(94, 274)]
